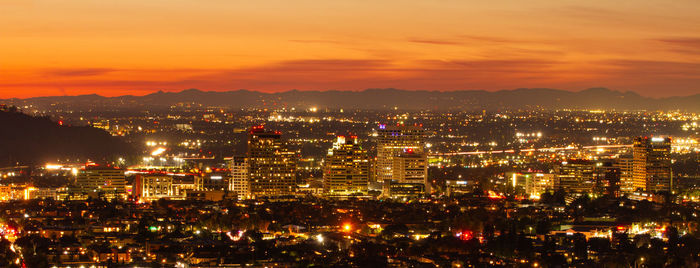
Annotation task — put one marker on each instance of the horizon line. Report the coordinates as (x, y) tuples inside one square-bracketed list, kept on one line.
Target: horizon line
[(353, 91)]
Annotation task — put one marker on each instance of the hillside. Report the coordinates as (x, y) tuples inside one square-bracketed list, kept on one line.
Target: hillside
[(36, 140)]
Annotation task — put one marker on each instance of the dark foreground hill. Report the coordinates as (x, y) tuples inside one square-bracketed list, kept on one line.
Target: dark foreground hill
[(379, 99), (36, 140)]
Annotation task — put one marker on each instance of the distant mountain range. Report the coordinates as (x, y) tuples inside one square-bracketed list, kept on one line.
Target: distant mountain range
[(527, 98)]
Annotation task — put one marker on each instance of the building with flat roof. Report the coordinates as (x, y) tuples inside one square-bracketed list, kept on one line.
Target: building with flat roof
[(392, 141), (271, 165), (652, 164), (346, 168)]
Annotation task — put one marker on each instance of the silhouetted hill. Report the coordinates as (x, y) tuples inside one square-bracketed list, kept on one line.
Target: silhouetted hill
[(530, 98), (36, 140)]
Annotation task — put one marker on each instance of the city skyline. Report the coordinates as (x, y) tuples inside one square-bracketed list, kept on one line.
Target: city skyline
[(81, 47)]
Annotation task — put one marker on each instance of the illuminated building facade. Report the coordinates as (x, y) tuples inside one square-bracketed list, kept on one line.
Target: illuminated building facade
[(575, 176), (239, 183), (532, 184), (153, 187), (410, 167), (271, 166), (101, 180), (346, 168), (652, 164), (392, 141), (212, 182), (625, 164)]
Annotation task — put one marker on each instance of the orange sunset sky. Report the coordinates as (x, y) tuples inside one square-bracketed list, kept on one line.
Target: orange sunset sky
[(118, 47)]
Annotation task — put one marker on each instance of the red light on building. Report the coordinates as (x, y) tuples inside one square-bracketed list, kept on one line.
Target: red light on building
[(465, 235)]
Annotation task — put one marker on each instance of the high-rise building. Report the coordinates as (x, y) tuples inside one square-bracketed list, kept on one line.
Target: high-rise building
[(625, 165), (239, 184), (652, 164), (271, 166), (608, 176), (346, 168), (575, 176), (392, 141), (410, 167), (101, 180), (409, 176)]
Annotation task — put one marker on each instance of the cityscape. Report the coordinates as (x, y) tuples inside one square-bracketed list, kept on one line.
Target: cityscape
[(349, 134)]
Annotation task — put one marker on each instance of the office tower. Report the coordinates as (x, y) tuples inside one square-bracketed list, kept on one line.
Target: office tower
[(346, 168), (94, 180), (532, 184), (575, 176), (239, 184), (625, 165), (393, 141), (153, 187), (271, 166), (411, 167), (608, 178), (652, 164)]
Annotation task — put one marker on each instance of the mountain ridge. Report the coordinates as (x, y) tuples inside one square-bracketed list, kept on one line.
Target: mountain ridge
[(388, 98)]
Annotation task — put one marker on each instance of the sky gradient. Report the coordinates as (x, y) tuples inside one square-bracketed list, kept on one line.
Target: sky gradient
[(119, 47)]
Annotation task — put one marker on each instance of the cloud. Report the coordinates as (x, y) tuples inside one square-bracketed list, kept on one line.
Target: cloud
[(434, 41), (682, 45), (78, 72), (319, 41)]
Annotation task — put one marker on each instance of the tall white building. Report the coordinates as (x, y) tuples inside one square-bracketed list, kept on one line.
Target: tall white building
[(239, 183)]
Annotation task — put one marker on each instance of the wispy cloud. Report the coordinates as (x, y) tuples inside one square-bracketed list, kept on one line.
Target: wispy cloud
[(78, 72), (434, 41), (682, 45)]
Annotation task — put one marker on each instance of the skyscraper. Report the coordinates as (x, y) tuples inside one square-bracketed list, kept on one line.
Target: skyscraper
[(652, 164), (411, 167), (392, 141), (239, 184), (271, 166), (575, 176), (346, 168), (626, 165)]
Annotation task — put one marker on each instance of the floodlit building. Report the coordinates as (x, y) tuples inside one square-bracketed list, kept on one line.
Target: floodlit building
[(392, 141), (409, 176), (239, 183), (95, 180), (652, 164), (346, 168), (271, 166), (153, 187), (532, 184), (575, 176), (625, 164), (411, 167)]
